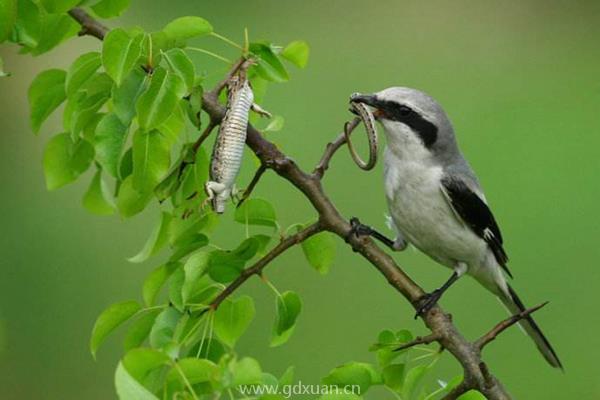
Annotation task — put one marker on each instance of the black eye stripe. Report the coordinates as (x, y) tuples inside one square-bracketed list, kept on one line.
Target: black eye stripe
[(426, 130)]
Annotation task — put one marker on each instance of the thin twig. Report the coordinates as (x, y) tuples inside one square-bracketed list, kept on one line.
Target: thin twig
[(257, 175), (434, 337), (257, 268), (331, 148), (89, 26), (221, 85), (505, 324), (205, 134), (458, 391)]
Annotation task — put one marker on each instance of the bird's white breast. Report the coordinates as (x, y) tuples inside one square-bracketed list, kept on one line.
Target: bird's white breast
[(420, 211)]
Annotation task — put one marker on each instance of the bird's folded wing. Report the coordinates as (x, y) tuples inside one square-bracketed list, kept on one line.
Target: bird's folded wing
[(472, 210)]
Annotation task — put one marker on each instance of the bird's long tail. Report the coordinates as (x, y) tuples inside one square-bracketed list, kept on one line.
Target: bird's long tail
[(515, 306)]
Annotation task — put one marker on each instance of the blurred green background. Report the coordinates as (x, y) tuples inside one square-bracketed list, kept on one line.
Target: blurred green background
[(520, 80)]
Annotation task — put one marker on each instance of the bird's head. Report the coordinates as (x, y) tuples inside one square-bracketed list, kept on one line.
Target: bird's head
[(412, 120)]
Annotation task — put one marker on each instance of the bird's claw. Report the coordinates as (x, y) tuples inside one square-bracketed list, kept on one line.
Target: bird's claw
[(427, 302), (358, 229)]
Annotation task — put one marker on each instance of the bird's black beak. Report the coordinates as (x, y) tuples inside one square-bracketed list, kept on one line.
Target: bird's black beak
[(368, 99)]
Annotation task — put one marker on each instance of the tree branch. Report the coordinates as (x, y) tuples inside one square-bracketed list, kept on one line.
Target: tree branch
[(505, 324), (258, 267), (476, 374), (331, 149), (89, 26), (419, 340), (257, 175), (205, 134)]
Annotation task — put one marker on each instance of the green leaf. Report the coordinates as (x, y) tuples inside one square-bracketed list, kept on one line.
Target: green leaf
[(156, 241), (194, 106), (109, 320), (289, 306), (353, 373), (174, 125), (393, 376), (155, 281), (187, 245), (110, 8), (387, 342), (8, 17), (128, 388), (256, 212), (278, 340), (120, 53), (129, 201), (126, 164), (187, 27), (297, 53), (196, 371), (46, 93), (55, 28), (97, 199), (163, 329), (194, 268), (319, 251), (184, 228), (125, 96), (181, 65), (141, 362), (275, 125), (413, 379), (203, 291), (472, 395), (175, 288), (139, 330), (193, 178), (232, 318), (99, 82), (246, 371), (225, 266), (151, 160), (59, 6), (108, 143), (81, 71), (269, 65), (82, 110), (65, 160), (169, 185), (156, 104), (287, 378), (27, 28)]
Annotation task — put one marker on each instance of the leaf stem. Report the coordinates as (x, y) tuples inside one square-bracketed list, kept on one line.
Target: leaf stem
[(186, 381), (227, 40), (271, 286), (210, 53), (150, 61)]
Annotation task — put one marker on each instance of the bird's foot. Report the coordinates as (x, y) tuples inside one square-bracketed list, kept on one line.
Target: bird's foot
[(358, 229), (426, 302)]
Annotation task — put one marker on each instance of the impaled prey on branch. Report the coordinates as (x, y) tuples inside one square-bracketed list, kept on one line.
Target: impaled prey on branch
[(229, 146)]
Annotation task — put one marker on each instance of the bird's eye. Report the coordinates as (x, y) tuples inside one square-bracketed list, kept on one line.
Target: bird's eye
[(404, 110)]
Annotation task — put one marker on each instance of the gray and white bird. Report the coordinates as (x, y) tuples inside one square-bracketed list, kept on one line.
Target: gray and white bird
[(436, 203)]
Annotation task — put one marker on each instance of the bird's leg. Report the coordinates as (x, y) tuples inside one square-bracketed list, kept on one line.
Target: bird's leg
[(359, 229), (428, 300)]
